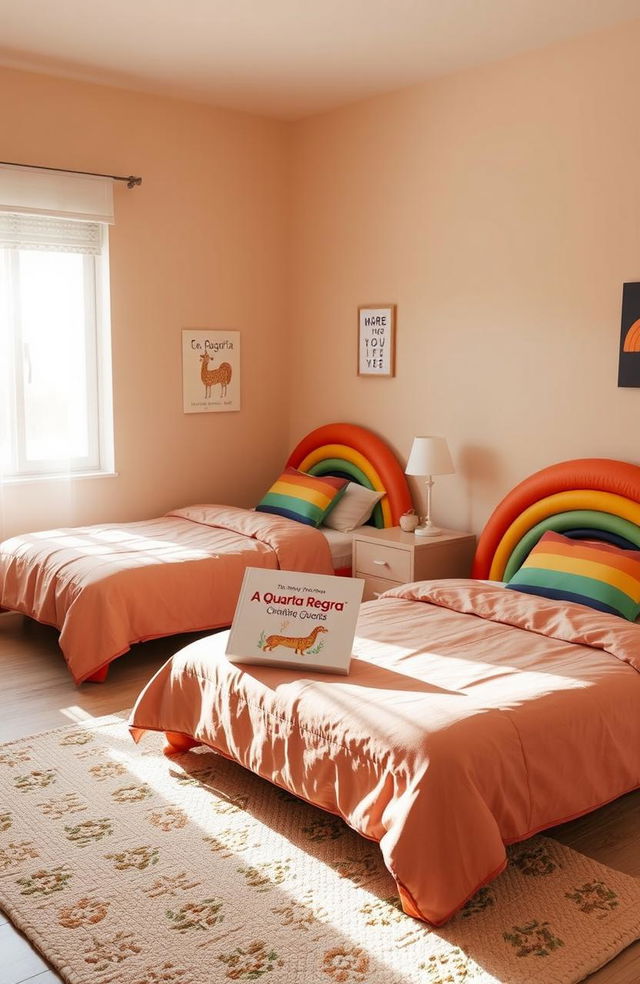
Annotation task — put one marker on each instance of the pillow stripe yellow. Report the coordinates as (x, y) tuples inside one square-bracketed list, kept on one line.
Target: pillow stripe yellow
[(305, 498), (595, 574), (589, 568), (315, 497)]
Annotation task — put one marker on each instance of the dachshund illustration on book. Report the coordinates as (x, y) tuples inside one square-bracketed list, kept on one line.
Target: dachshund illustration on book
[(298, 644)]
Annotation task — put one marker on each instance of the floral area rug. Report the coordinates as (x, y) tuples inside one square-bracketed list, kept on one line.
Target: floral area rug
[(125, 867)]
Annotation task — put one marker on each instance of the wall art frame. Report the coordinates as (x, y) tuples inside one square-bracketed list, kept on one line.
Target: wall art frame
[(377, 340), (210, 370), (629, 357)]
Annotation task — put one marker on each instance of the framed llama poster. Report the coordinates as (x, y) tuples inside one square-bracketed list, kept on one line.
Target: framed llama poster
[(377, 340), (210, 370)]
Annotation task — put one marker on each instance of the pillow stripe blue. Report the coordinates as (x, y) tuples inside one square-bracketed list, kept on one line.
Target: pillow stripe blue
[(560, 595)]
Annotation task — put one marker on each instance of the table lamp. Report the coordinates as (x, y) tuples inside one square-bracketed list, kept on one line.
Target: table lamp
[(429, 456)]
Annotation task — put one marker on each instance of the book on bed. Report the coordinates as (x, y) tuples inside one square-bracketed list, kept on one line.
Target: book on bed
[(302, 621)]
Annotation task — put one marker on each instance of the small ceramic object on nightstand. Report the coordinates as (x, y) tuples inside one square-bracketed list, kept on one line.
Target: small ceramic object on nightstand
[(409, 521)]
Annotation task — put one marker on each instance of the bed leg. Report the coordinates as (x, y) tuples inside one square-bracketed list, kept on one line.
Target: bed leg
[(177, 744), (100, 676), (408, 905)]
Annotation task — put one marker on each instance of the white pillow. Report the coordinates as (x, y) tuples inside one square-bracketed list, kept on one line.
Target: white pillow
[(353, 509)]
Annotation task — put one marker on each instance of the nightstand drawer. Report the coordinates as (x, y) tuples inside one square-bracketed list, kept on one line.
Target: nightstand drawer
[(381, 560), (374, 586)]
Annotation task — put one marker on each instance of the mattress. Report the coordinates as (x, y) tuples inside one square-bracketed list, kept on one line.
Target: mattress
[(340, 545)]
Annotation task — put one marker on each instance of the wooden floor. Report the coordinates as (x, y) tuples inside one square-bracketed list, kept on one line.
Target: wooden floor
[(37, 694)]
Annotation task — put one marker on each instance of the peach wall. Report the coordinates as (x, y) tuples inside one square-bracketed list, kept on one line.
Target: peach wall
[(499, 209), (201, 244)]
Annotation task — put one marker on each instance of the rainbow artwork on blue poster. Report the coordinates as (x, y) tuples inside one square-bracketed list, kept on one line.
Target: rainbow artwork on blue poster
[(629, 364)]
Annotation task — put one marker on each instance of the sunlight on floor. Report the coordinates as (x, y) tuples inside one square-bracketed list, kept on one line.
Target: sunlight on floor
[(76, 714), (79, 716), (310, 901)]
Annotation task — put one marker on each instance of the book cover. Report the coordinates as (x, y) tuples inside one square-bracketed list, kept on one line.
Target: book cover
[(306, 621)]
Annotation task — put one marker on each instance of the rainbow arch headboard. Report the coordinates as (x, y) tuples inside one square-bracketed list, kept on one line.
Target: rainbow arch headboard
[(589, 498), (359, 455)]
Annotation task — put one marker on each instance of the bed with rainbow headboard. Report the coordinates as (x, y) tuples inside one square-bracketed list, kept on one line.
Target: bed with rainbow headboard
[(476, 712), (106, 587)]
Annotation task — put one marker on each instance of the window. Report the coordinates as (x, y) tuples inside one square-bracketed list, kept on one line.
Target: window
[(55, 413)]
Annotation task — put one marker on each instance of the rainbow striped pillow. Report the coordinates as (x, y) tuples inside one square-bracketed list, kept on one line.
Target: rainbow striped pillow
[(305, 498), (589, 573)]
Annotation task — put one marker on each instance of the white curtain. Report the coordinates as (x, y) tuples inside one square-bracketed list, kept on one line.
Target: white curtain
[(69, 196), (47, 212)]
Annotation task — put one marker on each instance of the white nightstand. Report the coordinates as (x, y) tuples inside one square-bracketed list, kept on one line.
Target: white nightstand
[(386, 558)]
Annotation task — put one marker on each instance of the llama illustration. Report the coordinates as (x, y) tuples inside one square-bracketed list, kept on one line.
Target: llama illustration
[(210, 377), (293, 642)]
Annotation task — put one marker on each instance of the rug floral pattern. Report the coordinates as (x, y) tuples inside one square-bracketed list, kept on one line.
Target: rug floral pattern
[(125, 867)]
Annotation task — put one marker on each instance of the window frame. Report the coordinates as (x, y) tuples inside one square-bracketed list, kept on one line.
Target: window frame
[(99, 406)]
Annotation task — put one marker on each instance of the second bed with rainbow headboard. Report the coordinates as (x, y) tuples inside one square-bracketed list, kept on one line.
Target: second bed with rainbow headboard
[(476, 712)]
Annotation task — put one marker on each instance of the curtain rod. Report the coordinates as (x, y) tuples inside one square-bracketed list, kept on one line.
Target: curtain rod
[(131, 180)]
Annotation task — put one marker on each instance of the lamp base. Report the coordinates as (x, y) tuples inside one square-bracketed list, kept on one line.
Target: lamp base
[(427, 531)]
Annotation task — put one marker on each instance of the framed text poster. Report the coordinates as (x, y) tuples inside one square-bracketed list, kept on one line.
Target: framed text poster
[(210, 370), (377, 340), (629, 359)]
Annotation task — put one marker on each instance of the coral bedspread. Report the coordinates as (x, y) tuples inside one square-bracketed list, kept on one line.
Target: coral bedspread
[(467, 722), (106, 587)]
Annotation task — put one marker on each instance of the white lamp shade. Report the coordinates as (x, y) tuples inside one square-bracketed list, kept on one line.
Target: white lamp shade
[(429, 456)]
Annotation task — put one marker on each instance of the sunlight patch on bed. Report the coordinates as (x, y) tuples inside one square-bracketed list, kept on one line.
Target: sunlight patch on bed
[(371, 648), (42, 535), (149, 548), (459, 674)]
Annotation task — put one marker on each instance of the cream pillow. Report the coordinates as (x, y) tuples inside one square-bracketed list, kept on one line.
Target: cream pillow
[(353, 509)]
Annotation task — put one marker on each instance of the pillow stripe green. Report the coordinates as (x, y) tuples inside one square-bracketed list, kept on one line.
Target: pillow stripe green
[(282, 505), (611, 599)]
